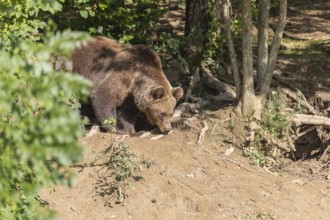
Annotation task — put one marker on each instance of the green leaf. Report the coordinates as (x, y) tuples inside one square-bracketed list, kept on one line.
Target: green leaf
[(84, 14)]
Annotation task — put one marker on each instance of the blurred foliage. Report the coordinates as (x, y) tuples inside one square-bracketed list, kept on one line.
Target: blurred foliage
[(125, 20), (39, 120)]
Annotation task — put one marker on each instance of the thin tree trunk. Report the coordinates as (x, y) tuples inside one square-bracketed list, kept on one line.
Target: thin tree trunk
[(223, 6), (187, 25), (247, 99), (274, 49), (196, 27), (263, 14)]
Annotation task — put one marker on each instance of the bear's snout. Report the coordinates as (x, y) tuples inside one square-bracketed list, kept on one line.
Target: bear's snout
[(165, 127), (167, 130)]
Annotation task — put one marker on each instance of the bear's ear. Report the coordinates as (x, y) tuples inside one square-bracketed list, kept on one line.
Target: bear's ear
[(158, 92), (177, 92)]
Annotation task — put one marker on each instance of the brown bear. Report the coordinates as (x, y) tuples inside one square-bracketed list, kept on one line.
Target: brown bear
[(126, 80)]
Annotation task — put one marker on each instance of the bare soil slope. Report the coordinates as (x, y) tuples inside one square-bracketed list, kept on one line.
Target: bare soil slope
[(202, 181), (189, 181)]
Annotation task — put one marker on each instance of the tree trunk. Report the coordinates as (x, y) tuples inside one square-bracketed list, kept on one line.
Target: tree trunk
[(276, 43), (223, 7), (247, 99), (274, 48), (196, 27), (263, 14)]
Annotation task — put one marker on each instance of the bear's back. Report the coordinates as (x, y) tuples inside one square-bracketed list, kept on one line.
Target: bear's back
[(95, 57), (103, 56)]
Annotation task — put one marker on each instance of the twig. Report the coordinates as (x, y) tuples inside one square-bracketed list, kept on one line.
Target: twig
[(234, 162), (325, 152), (318, 170), (190, 187), (305, 132), (213, 129), (202, 134)]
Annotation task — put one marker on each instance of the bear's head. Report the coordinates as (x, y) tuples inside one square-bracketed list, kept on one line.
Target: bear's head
[(160, 109)]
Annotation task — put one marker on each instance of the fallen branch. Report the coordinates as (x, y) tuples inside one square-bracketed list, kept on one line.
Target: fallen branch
[(209, 80), (293, 95), (227, 97), (305, 132), (189, 107), (300, 119)]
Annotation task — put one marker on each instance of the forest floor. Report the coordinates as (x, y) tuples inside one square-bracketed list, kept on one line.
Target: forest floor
[(210, 179)]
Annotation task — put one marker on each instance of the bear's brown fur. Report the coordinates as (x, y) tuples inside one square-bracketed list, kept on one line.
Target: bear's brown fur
[(126, 80)]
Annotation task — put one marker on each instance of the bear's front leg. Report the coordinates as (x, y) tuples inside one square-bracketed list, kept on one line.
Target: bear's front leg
[(127, 114), (105, 110)]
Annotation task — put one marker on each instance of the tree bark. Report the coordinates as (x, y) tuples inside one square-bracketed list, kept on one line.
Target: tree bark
[(247, 98), (223, 7), (263, 15)]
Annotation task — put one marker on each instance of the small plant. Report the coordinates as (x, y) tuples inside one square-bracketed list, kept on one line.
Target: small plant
[(229, 139), (121, 164), (255, 156), (112, 122), (259, 215), (298, 106), (231, 124)]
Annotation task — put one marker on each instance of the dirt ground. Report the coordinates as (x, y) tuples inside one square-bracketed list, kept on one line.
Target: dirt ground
[(211, 180)]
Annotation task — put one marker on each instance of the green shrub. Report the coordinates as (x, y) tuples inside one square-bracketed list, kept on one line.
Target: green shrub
[(39, 121), (273, 119)]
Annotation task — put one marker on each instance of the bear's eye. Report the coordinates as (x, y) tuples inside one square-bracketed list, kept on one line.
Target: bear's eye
[(163, 115)]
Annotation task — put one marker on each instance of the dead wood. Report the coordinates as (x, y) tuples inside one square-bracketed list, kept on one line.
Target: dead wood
[(300, 99), (299, 134), (209, 80), (300, 119), (224, 97), (189, 107)]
